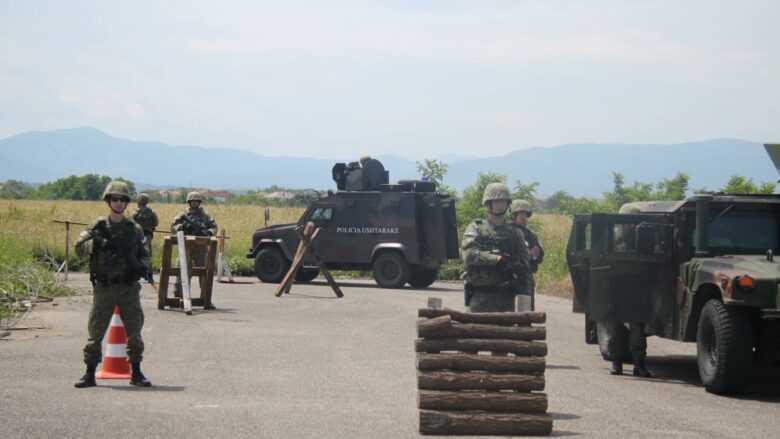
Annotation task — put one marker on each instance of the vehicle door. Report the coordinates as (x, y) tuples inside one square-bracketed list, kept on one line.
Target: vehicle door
[(323, 217), (631, 271)]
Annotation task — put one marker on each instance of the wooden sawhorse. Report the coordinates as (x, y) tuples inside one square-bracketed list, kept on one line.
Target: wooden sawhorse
[(205, 274)]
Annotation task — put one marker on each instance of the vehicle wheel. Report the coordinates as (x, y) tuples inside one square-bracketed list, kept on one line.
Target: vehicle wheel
[(306, 274), (724, 348), (602, 335), (271, 265), (423, 278), (390, 270)]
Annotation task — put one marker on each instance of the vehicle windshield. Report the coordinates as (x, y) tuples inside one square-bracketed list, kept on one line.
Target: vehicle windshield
[(744, 231)]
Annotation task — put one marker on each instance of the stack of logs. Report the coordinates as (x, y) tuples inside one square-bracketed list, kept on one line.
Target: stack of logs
[(481, 373)]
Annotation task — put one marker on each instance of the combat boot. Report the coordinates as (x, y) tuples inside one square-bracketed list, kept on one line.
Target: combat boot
[(88, 380), (138, 378), (617, 368), (640, 370)]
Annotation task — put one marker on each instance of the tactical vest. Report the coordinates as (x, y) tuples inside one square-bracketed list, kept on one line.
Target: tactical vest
[(487, 240), (106, 263), (145, 218)]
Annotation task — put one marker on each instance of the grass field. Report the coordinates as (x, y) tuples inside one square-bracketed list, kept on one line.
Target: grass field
[(28, 231)]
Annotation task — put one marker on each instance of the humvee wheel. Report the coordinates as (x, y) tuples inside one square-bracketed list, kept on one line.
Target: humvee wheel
[(423, 278), (390, 270), (306, 274), (724, 348), (603, 338), (271, 265)]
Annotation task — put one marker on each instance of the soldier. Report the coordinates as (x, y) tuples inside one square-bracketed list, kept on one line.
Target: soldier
[(495, 256), (194, 221), (520, 211), (118, 258), (613, 331), (145, 217)]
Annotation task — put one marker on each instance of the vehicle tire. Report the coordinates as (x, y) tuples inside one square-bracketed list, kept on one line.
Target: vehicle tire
[(390, 270), (603, 339), (271, 265), (724, 348), (306, 274), (423, 278)]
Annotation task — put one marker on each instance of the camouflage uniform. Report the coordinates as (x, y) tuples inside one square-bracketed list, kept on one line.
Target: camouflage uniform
[(491, 285), (118, 257), (531, 241), (612, 330), (145, 217), (194, 222)]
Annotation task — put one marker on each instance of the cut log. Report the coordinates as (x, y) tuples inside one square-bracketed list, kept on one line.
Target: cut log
[(487, 401), (517, 347), (491, 363), (471, 330), (433, 325), (495, 318), (460, 423), (479, 381)]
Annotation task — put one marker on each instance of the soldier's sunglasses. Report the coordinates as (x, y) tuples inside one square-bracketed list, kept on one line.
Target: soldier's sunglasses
[(115, 199)]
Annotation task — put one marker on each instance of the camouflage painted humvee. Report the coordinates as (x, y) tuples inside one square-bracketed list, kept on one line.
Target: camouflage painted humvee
[(402, 232), (701, 269)]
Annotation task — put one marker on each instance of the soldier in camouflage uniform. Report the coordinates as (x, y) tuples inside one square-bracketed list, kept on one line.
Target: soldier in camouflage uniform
[(118, 257), (194, 221), (520, 211), (145, 217), (495, 256), (613, 331)]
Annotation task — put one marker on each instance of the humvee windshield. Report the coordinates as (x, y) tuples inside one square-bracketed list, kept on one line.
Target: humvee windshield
[(744, 232)]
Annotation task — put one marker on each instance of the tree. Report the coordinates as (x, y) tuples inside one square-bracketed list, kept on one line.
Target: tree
[(672, 189), (739, 184), (85, 187), (435, 170), (525, 191)]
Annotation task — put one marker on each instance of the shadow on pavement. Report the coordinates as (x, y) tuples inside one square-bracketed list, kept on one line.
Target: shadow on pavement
[(154, 388), (764, 385)]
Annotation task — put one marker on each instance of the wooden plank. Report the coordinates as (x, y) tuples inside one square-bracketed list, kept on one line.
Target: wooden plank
[(466, 423), (183, 269), (472, 330), (479, 381), (492, 363), (487, 401), (433, 325), (324, 270), (297, 261), (310, 236), (165, 273), (517, 347), (496, 318)]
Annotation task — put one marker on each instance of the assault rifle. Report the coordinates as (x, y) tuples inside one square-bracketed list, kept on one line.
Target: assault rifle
[(121, 248), (194, 228), (510, 262)]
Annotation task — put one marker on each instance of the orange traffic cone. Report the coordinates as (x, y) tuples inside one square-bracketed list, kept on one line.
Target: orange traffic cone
[(115, 363)]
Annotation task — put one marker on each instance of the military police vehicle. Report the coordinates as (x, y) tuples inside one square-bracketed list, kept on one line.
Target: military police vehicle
[(402, 232), (701, 269)]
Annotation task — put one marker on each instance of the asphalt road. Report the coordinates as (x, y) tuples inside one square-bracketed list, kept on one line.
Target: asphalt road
[(309, 365)]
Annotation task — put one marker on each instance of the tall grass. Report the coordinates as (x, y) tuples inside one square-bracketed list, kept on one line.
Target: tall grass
[(28, 231)]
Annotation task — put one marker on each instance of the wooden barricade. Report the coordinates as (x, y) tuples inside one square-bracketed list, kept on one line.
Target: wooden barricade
[(205, 273), (308, 236), (481, 373)]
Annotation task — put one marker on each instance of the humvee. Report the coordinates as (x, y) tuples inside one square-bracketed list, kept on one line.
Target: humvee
[(402, 232), (700, 270)]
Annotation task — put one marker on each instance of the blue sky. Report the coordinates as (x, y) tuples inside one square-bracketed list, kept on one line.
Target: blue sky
[(419, 79)]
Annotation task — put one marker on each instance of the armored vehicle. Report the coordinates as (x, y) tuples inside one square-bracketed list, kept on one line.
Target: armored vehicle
[(402, 232), (701, 269)]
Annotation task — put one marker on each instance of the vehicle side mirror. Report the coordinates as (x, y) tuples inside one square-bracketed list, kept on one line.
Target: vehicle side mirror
[(652, 239)]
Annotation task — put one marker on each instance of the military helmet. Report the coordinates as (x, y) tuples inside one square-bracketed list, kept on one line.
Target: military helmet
[(117, 189), (496, 191), (143, 199), (194, 196), (629, 208), (520, 206)]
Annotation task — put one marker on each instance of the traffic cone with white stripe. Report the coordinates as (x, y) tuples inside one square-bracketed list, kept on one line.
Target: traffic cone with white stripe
[(115, 363)]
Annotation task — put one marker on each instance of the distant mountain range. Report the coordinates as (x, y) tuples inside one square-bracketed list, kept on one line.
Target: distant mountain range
[(579, 169)]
